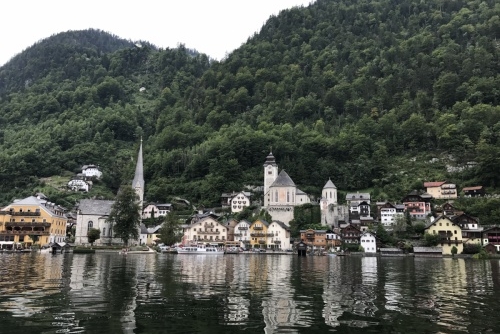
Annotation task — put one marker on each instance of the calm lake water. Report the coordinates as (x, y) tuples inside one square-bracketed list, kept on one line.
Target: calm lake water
[(250, 293)]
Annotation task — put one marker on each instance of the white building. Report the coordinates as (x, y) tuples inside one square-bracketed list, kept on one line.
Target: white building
[(281, 194), (240, 201), (156, 210), (206, 230), (389, 214), (79, 185), (369, 242), (90, 171), (278, 235), (331, 212), (242, 234)]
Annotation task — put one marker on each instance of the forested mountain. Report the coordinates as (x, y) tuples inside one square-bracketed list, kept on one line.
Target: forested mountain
[(364, 92)]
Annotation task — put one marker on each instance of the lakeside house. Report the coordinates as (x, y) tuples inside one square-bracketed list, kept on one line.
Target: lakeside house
[(428, 251), (368, 241), (450, 234), (32, 220)]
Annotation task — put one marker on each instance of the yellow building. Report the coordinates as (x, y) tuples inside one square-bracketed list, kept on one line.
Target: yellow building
[(258, 234), (451, 234), (29, 218)]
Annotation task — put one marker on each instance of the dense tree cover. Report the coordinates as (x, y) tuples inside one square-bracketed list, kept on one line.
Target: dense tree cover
[(365, 92)]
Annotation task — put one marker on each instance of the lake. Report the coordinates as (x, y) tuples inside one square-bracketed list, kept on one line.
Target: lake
[(246, 293)]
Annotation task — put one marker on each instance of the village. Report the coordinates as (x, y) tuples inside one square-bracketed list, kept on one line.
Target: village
[(345, 228)]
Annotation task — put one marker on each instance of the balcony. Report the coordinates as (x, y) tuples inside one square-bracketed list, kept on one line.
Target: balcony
[(26, 224), (270, 234), (242, 228), (24, 232), (258, 234), (257, 228), (238, 234), (208, 232), (25, 214), (262, 242), (310, 236), (277, 242)]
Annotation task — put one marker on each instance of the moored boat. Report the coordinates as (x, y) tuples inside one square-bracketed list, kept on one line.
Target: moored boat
[(137, 250), (209, 250)]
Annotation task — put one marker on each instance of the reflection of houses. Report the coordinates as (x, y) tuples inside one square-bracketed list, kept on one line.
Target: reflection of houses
[(418, 205), (441, 189), (491, 236), (450, 234), (32, 217), (281, 194), (477, 191), (258, 234), (206, 230), (241, 233)]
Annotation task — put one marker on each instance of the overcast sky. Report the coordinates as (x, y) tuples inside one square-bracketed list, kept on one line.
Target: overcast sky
[(214, 27)]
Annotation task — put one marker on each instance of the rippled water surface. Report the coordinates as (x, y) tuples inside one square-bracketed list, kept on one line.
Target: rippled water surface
[(251, 293)]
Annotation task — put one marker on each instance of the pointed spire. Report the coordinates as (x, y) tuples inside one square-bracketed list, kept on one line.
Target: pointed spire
[(329, 184), (138, 181)]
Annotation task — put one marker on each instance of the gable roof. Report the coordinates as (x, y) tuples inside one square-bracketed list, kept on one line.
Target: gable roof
[(283, 225), (283, 180), (472, 188), (434, 184), (95, 207)]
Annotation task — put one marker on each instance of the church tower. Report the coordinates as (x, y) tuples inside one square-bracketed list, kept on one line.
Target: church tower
[(328, 205), (329, 192), (270, 174), (138, 182)]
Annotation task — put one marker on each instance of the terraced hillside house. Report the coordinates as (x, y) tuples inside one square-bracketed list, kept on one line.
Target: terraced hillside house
[(32, 220), (441, 189)]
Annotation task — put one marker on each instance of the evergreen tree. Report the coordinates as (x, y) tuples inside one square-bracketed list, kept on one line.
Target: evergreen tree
[(125, 215), (169, 233)]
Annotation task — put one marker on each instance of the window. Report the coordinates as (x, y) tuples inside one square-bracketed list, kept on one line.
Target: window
[(103, 231), (110, 232), (90, 224)]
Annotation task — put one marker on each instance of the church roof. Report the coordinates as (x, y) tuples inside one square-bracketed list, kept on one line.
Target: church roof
[(95, 207), (283, 180), (139, 171), (329, 184), (270, 160)]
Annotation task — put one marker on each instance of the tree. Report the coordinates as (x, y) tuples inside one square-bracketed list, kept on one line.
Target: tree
[(125, 215), (93, 234), (454, 250), (431, 239), (169, 233)]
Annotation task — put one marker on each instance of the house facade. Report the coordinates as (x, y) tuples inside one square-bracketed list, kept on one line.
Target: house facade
[(90, 171), (258, 234), (279, 236), (471, 230), (389, 213), (32, 218), (368, 241), (240, 201), (359, 205), (314, 238), (491, 236), (149, 235), (450, 234), (441, 189), (242, 233), (418, 205), (94, 214), (154, 210), (332, 213), (79, 185), (350, 234), (477, 191), (206, 231)]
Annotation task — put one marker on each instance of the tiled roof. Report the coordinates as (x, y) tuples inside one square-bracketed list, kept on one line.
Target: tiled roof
[(95, 207), (433, 184), (427, 249), (472, 188)]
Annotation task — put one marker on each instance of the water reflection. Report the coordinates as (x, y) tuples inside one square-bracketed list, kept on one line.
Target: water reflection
[(110, 293)]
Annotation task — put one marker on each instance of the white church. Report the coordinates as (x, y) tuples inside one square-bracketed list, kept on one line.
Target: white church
[(281, 195), (94, 213)]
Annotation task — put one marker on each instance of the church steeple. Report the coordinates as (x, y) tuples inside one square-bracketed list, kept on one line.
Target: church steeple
[(138, 182)]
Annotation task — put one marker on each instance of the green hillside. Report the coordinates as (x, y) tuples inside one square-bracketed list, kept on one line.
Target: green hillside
[(379, 95)]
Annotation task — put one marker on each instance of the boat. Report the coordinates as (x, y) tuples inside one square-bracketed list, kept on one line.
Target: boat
[(232, 250), (209, 250)]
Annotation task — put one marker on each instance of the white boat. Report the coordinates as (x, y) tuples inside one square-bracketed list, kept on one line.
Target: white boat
[(209, 250), (137, 250)]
